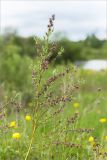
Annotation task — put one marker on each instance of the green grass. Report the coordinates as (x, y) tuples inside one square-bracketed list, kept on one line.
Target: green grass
[(93, 106), (57, 130)]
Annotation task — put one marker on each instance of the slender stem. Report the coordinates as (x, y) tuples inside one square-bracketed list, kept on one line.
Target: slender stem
[(35, 124), (35, 110), (30, 145)]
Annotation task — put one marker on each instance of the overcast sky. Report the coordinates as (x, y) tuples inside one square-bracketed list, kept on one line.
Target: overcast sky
[(74, 18)]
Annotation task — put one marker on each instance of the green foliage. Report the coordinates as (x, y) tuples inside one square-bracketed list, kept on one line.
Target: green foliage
[(47, 134), (64, 109), (72, 51), (93, 42), (15, 70), (27, 45), (90, 48)]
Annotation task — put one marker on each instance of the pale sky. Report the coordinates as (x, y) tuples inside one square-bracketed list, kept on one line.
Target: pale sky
[(74, 18)]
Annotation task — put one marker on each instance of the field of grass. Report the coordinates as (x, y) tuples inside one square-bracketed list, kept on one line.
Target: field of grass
[(65, 118), (66, 133)]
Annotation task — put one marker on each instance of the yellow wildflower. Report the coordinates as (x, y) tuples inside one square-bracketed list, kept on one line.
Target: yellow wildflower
[(91, 139), (13, 124), (76, 104), (28, 118), (106, 138), (16, 135), (103, 120)]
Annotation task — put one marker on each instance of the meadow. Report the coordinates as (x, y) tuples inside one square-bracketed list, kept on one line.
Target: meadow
[(64, 115), (84, 137)]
